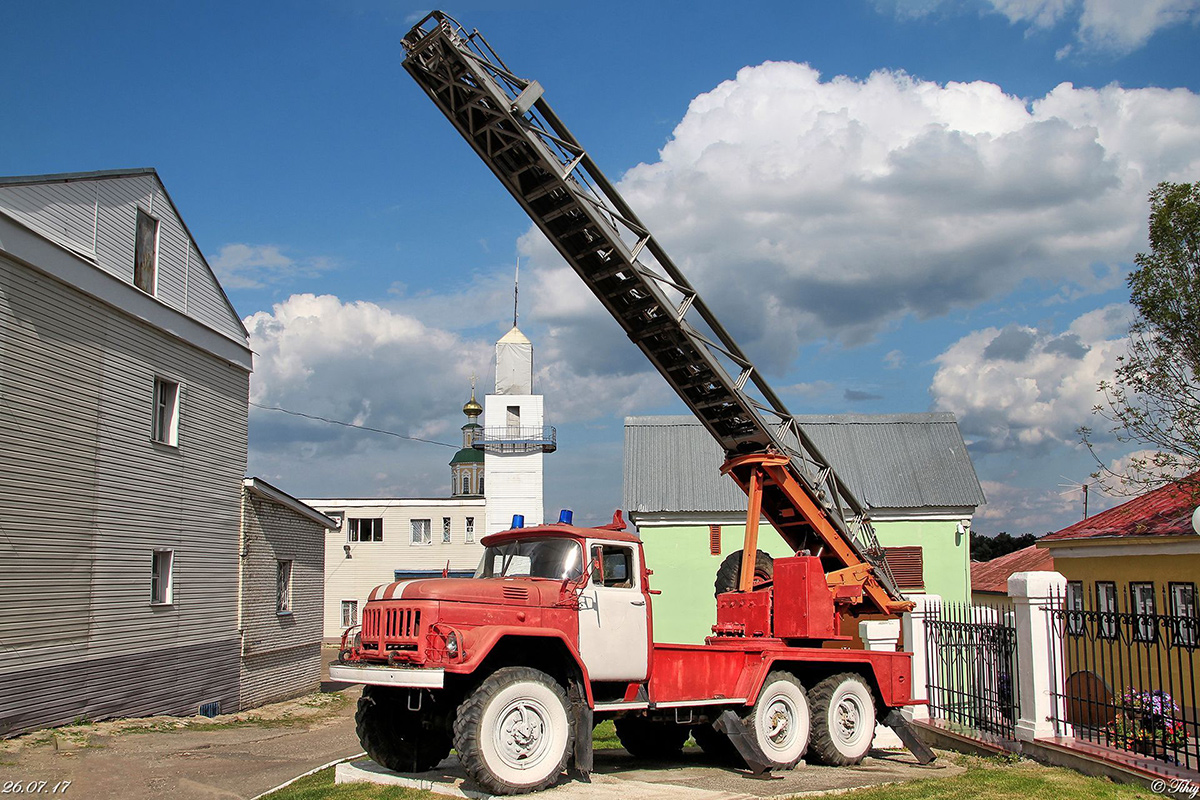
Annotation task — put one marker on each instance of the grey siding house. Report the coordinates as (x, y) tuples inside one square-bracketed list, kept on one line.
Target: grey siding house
[(280, 607), (124, 379)]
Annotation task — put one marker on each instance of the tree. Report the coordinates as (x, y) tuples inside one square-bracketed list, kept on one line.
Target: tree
[(985, 548), (1154, 396)]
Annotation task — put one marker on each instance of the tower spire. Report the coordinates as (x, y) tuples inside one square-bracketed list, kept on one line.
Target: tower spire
[(516, 289)]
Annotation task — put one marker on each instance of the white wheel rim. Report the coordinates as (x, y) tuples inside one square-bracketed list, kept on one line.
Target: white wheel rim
[(848, 720), (523, 733), (779, 723)]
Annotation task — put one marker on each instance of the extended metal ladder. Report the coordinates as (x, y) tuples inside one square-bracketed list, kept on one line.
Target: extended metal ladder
[(516, 133)]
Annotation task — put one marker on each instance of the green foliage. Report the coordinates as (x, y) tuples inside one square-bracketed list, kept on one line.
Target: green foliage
[(1154, 397), (985, 548), (1003, 780)]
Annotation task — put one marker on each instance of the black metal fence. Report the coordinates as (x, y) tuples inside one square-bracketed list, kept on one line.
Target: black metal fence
[(1130, 672), (971, 667)]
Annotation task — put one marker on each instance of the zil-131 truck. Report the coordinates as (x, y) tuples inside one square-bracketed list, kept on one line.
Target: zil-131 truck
[(554, 633)]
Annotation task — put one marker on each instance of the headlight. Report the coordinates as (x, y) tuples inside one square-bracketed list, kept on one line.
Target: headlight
[(452, 644)]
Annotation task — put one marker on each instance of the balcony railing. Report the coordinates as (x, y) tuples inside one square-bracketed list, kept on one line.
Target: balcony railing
[(517, 440)]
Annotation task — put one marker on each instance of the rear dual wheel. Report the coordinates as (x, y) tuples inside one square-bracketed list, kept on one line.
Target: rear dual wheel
[(843, 719)]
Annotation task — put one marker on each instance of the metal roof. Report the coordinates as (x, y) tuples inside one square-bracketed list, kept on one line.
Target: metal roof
[(901, 461)]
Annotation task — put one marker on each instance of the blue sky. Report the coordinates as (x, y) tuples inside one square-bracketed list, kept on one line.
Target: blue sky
[(946, 226)]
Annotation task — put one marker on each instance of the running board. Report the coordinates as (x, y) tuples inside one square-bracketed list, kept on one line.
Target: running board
[(908, 734), (756, 760)]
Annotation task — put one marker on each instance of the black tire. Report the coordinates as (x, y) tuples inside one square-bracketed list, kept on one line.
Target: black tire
[(843, 719), (515, 732), (730, 572), (393, 736), (780, 721), (716, 745), (647, 739)]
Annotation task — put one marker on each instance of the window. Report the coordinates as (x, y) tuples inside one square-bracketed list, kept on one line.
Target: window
[(714, 540), (349, 613), (480, 485), (907, 565), (615, 566), (367, 529), (162, 589), (1075, 607), (166, 412), (145, 253), (470, 529), (283, 587), (1183, 611), (1106, 604), (445, 530), (512, 416), (420, 532), (466, 484), (1145, 628)]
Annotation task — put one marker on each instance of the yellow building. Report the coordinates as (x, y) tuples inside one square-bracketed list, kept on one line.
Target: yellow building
[(1129, 626)]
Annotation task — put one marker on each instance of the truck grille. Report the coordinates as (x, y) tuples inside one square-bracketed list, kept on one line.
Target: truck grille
[(391, 628)]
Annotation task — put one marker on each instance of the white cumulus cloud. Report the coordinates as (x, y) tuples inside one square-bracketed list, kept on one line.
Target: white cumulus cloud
[(1021, 389), (807, 209)]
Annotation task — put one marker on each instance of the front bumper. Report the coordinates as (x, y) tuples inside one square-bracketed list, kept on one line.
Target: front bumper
[(404, 677)]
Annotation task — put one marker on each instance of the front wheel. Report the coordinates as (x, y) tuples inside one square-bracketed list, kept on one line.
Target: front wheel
[(513, 734), (780, 721), (395, 737), (843, 719)]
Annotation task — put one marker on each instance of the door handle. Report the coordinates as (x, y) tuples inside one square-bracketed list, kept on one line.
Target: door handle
[(641, 602)]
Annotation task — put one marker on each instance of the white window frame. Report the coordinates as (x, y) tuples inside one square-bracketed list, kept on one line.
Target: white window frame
[(352, 607), (283, 586), (1183, 609), (160, 594), (1141, 594), (470, 529), (354, 530), (422, 535), (164, 412), (446, 530), (1106, 604), (1074, 607)]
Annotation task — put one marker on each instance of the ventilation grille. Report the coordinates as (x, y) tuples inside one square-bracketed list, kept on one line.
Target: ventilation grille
[(907, 565), (515, 593), (714, 539)]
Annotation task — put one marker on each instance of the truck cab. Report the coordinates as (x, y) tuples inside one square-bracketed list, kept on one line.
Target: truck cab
[(585, 589)]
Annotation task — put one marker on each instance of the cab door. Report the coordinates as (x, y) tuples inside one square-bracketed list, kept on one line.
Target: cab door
[(613, 615)]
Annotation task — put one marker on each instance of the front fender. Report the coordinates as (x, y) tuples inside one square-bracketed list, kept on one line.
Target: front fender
[(481, 642)]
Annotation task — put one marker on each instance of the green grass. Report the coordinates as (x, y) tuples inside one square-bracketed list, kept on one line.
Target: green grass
[(604, 737), (320, 786), (1000, 779)]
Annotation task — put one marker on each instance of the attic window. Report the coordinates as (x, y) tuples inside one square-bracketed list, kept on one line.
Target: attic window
[(907, 565), (145, 253), (714, 540)]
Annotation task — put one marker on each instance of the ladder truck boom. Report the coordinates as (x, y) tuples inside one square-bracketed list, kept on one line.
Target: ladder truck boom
[(513, 129)]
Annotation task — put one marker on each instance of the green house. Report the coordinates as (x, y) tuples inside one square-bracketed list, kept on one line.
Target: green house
[(912, 471)]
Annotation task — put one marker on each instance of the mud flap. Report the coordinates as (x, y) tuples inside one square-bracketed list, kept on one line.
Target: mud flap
[(756, 760), (904, 729), (581, 754)]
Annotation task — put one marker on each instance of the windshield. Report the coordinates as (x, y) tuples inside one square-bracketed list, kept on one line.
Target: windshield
[(558, 559)]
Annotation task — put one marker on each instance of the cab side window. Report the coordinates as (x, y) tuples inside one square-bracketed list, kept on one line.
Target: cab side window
[(612, 566)]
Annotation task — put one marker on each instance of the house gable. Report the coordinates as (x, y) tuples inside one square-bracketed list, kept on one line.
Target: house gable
[(94, 216)]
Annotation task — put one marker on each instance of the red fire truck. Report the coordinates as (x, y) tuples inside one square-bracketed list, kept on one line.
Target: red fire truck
[(513, 667)]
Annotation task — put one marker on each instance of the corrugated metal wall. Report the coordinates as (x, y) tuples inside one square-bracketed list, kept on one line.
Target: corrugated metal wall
[(85, 498), (98, 218)]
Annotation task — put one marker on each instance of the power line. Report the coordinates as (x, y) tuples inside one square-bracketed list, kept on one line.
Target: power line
[(351, 425)]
